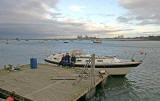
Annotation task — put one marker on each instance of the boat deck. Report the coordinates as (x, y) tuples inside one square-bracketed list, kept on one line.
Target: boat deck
[(47, 83)]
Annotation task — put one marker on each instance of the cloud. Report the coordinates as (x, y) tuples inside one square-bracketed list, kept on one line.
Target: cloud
[(54, 29), (39, 18), (25, 11), (76, 8), (141, 12), (124, 19)]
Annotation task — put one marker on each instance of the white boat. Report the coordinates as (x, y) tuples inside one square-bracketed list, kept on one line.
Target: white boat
[(110, 64), (97, 41)]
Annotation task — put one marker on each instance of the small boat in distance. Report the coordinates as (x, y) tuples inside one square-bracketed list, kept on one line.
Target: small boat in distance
[(110, 64), (97, 41), (66, 42)]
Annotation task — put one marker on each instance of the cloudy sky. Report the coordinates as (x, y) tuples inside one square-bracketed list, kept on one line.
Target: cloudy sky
[(69, 18)]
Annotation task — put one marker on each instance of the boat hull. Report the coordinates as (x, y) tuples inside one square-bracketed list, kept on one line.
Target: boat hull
[(116, 69)]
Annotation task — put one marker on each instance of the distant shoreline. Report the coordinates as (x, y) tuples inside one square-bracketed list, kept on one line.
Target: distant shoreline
[(106, 39)]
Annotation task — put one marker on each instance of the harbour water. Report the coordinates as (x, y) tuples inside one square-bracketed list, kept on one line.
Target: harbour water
[(142, 84)]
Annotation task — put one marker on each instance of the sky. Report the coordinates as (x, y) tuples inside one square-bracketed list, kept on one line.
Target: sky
[(69, 18)]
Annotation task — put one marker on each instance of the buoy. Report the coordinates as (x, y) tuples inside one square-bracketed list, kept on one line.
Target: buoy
[(10, 99)]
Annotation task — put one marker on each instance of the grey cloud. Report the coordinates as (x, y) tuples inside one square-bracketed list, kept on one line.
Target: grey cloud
[(24, 11), (123, 19), (50, 28), (142, 11), (26, 17)]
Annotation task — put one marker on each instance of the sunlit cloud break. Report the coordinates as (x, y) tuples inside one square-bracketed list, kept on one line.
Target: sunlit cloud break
[(76, 8)]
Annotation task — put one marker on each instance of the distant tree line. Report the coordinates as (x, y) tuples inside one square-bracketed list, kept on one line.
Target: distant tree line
[(149, 38)]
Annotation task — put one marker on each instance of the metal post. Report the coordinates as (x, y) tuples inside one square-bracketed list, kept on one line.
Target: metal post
[(92, 74)]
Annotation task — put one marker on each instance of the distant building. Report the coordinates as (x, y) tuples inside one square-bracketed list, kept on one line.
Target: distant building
[(119, 37), (79, 37), (85, 37)]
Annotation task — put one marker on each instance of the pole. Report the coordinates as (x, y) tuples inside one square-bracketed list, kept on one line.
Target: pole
[(92, 74)]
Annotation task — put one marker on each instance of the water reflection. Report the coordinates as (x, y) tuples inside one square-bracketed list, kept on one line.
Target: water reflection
[(112, 90)]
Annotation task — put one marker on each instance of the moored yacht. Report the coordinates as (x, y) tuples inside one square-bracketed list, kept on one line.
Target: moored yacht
[(111, 64)]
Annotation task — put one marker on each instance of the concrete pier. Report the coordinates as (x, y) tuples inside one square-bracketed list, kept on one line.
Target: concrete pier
[(48, 83)]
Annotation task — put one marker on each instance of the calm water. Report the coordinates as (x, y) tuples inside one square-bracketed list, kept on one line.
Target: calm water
[(142, 84)]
